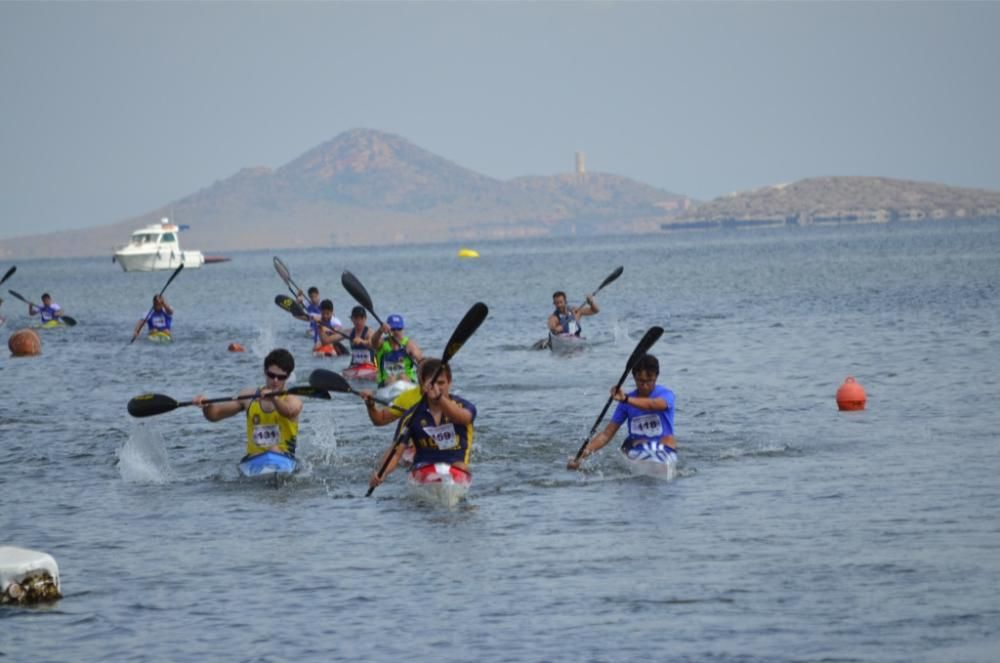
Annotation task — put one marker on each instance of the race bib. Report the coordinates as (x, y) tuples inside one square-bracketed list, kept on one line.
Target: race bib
[(360, 356), (442, 436), (266, 436), (395, 368), (646, 425)]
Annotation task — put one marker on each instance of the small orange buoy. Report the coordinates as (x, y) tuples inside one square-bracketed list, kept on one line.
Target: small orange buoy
[(851, 396), (25, 343), (236, 347)]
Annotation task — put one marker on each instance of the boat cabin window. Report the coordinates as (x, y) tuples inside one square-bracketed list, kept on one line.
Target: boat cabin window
[(169, 237), (143, 239)]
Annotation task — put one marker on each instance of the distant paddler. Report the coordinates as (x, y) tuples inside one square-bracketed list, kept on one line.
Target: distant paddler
[(50, 314), (158, 321), (328, 332), (397, 355), (362, 368)]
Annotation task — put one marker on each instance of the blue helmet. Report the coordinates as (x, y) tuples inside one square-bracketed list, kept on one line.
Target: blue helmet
[(395, 321)]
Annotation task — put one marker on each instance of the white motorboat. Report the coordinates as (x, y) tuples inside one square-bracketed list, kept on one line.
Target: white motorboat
[(156, 247)]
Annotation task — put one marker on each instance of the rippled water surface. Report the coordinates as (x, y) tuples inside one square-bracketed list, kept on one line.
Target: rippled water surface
[(793, 532)]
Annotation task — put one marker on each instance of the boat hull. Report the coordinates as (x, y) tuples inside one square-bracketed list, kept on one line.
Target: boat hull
[(566, 343), (390, 391), (267, 464), (160, 337), (151, 261), (439, 483), (650, 459), (361, 373)]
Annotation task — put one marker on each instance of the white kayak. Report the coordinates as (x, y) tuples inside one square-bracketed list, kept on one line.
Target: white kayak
[(651, 459), (566, 343), (439, 483), (390, 391)]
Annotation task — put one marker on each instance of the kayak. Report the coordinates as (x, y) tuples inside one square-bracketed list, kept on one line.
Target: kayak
[(267, 463), (160, 337), (360, 373), (330, 350), (439, 483), (651, 459), (51, 324), (390, 391), (566, 343)]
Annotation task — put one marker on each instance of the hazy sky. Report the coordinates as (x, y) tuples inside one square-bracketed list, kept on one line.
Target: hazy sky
[(110, 110)]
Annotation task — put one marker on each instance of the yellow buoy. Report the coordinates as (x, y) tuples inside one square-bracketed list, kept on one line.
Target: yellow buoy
[(468, 253)]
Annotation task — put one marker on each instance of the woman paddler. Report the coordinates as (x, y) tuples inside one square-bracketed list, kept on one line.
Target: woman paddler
[(439, 426)]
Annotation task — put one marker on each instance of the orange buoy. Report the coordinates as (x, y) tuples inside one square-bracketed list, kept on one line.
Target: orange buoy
[(25, 343), (851, 395), (236, 347)]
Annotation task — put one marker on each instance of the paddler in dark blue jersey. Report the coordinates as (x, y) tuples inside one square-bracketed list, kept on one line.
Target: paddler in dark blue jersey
[(439, 426), (160, 320), (360, 338), (564, 320), (649, 410)]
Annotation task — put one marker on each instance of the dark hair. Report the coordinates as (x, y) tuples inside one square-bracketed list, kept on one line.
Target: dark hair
[(646, 364), (313, 290), (45, 294), (558, 293), (430, 365), (358, 312), (326, 305), (281, 358)]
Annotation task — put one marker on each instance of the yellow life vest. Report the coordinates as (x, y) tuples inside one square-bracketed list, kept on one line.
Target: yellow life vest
[(266, 429)]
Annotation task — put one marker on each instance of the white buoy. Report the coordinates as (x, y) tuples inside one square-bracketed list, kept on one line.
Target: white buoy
[(27, 576)]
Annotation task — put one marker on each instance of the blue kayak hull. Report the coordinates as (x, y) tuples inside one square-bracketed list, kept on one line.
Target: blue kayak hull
[(267, 463)]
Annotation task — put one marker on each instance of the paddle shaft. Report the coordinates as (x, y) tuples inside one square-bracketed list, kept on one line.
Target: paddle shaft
[(153, 308), (160, 404), (286, 276), (645, 343)]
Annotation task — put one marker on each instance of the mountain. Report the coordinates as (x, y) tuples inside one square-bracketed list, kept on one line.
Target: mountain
[(841, 200), (367, 187)]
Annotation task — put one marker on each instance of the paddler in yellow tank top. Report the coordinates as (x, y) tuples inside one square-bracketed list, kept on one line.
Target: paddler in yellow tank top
[(272, 421)]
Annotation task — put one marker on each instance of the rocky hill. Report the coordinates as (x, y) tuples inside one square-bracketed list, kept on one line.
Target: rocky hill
[(366, 187), (841, 200)]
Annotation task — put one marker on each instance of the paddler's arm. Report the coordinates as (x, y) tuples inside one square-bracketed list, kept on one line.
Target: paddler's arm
[(220, 411), (642, 403), (396, 451), (596, 444), (289, 407), (590, 308), (379, 417), (138, 327), (455, 412), (376, 337), (554, 325), (414, 351)]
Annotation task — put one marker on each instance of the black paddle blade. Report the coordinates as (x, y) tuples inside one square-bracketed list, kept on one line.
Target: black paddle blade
[(651, 336), (290, 305), (329, 381), (17, 295), (70, 322), (611, 277), (465, 329), (148, 405), (10, 273), (353, 286), (310, 392)]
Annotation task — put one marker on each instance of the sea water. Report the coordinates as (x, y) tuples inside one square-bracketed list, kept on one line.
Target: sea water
[(793, 531)]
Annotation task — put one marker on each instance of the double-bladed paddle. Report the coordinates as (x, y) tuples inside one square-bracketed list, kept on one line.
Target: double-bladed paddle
[(332, 381), (470, 322), (65, 318), (645, 343), (138, 329), (148, 405), (544, 343), (290, 305), (353, 286)]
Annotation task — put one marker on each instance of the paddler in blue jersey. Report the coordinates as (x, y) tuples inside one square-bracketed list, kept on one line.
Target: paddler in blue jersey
[(328, 331), (48, 312), (649, 410), (310, 306), (564, 320), (439, 427), (398, 354), (159, 320), (272, 421)]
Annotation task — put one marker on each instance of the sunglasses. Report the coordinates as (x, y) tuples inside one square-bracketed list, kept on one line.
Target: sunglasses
[(275, 376)]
